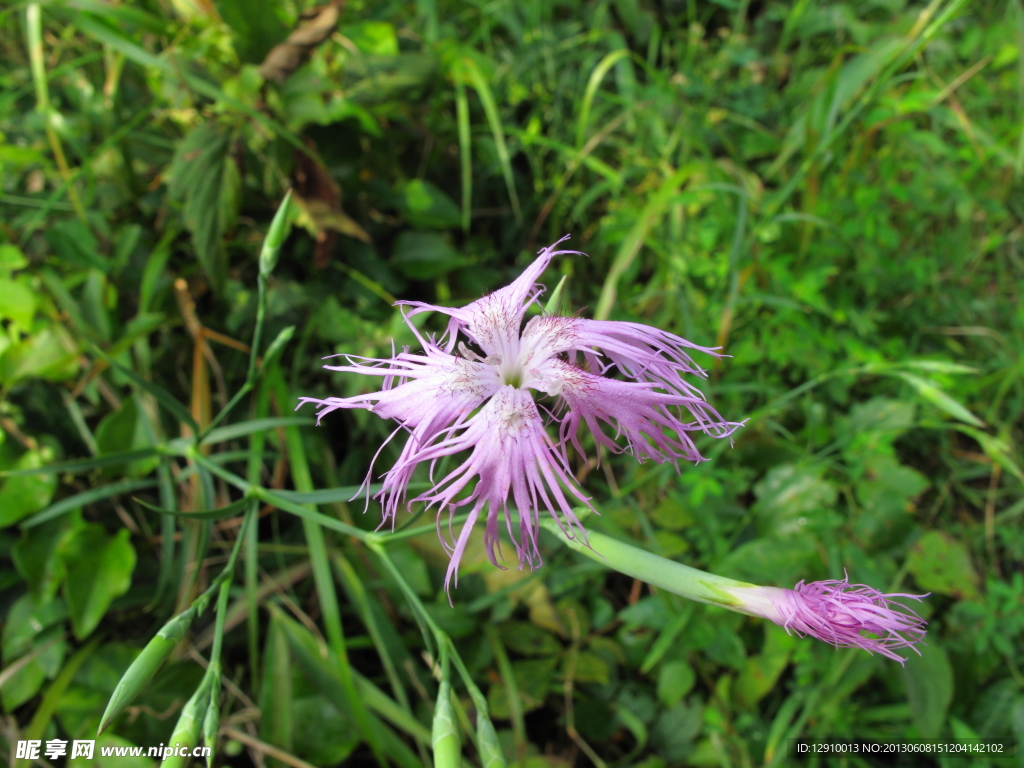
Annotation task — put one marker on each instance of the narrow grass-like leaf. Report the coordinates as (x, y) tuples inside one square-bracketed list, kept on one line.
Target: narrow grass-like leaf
[(233, 431), (465, 151), (322, 670), (325, 495), (483, 90), (86, 497), (84, 465), (996, 448), (593, 83), (634, 241), (515, 705), (230, 510), (324, 579), (357, 595), (940, 399), (936, 366)]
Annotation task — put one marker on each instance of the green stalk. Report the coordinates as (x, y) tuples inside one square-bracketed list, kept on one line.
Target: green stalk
[(34, 33), (271, 251), (488, 746), (515, 704), (324, 579), (658, 571), (256, 444)]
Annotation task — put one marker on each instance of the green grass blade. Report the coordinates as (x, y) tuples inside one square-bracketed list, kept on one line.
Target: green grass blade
[(324, 579), (940, 399), (634, 241), (593, 83), (465, 151), (323, 670), (207, 514), (84, 465), (86, 497), (244, 428), (483, 90)]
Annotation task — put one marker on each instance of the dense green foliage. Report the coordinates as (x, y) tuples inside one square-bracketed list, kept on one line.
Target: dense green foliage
[(831, 190)]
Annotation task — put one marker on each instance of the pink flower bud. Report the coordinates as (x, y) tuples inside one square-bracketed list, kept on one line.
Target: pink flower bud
[(840, 613)]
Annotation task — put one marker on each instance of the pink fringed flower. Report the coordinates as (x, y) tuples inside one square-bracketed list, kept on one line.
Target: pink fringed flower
[(453, 398), (839, 612)]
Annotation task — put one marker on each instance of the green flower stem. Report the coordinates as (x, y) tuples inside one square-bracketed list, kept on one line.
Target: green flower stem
[(276, 235), (257, 440), (488, 746), (658, 571), (324, 579)]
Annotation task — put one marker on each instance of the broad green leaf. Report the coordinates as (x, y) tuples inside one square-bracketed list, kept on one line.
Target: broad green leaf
[(324, 735), (792, 497), (886, 495), (73, 242), (41, 660), (929, 680), (940, 399), (942, 564), (671, 514), (254, 33), (11, 258), (122, 431), (761, 672), (42, 355), (675, 680), (774, 562), (17, 303), (86, 497), (534, 679), (21, 496), (376, 38), (427, 207), (22, 685), (99, 568), (528, 639), (170, 403), (675, 729), (198, 174), (25, 620), (425, 256), (38, 558)]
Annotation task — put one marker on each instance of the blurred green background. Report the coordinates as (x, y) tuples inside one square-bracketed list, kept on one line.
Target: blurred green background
[(830, 190)]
